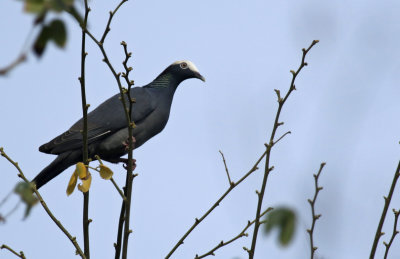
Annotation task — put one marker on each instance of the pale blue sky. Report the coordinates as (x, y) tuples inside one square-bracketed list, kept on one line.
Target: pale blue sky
[(345, 112)]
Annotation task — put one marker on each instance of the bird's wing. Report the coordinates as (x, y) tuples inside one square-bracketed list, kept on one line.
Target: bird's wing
[(103, 121)]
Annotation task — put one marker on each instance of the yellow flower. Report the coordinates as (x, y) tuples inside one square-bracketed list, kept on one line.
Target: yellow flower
[(84, 175), (84, 187), (105, 172)]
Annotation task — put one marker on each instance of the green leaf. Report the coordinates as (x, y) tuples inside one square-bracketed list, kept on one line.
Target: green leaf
[(285, 220), (60, 5), (58, 32), (40, 18), (24, 190), (34, 6), (39, 6), (41, 41), (78, 17)]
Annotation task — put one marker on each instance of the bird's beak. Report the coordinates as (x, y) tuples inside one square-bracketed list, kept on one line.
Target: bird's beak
[(197, 75)]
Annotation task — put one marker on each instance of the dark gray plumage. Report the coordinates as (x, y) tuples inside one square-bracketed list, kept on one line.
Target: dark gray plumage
[(107, 127)]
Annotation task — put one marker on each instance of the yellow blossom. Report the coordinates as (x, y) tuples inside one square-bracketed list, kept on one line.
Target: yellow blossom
[(72, 183), (84, 187), (105, 172), (83, 174)]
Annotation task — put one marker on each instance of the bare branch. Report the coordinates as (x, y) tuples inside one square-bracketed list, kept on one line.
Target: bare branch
[(395, 232), (199, 220), (281, 102), (314, 216), (85, 156), (379, 232), (6, 198), (289, 132), (226, 167), (20, 254), (44, 205), (118, 189), (12, 210), (241, 234), (109, 21), (124, 220), (22, 57)]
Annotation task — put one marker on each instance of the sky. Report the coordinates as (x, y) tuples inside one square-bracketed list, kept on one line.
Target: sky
[(345, 112)]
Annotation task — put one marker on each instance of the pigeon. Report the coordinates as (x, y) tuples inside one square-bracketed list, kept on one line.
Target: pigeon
[(107, 125)]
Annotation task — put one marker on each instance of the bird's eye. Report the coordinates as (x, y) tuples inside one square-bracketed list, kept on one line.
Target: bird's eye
[(184, 65)]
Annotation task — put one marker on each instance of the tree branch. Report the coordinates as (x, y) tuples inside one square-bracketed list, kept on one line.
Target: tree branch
[(20, 254), (281, 102), (121, 193), (124, 220), (287, 133), (22, 55), (226, 168), (379, 232), (395, 232), (85, 107), (130, 176), (20, 59), (241, 234), (198, 221), (109, 21), (44, 205), (314, 216)]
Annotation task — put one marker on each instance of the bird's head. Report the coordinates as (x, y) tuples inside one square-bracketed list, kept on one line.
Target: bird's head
[(184, 69)]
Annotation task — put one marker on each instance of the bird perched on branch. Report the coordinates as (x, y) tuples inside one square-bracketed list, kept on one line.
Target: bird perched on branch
[(107, 124)]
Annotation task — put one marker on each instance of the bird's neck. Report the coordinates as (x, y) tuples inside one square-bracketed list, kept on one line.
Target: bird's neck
[(165, 80)]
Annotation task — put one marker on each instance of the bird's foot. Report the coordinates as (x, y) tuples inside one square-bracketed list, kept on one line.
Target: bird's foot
[(125, 161), (126, 143)]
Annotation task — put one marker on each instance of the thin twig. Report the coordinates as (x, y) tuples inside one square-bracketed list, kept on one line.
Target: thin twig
[(109, 21), (126, 76), (44, 205), (387, 199), (199, 220), (121, 193), (6, 198), (395, 232), (12, 210), (86, 221), (121, 221), (118, 189), (110, 66), (22, 57), (289, 132), (269, 146), (125, 208), (314, 216), (226, 167), (20, 254), (241, 234), (129, 179), (85, 156)]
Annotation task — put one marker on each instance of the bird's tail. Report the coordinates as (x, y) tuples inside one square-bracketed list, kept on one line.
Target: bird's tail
[(62, 162)]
